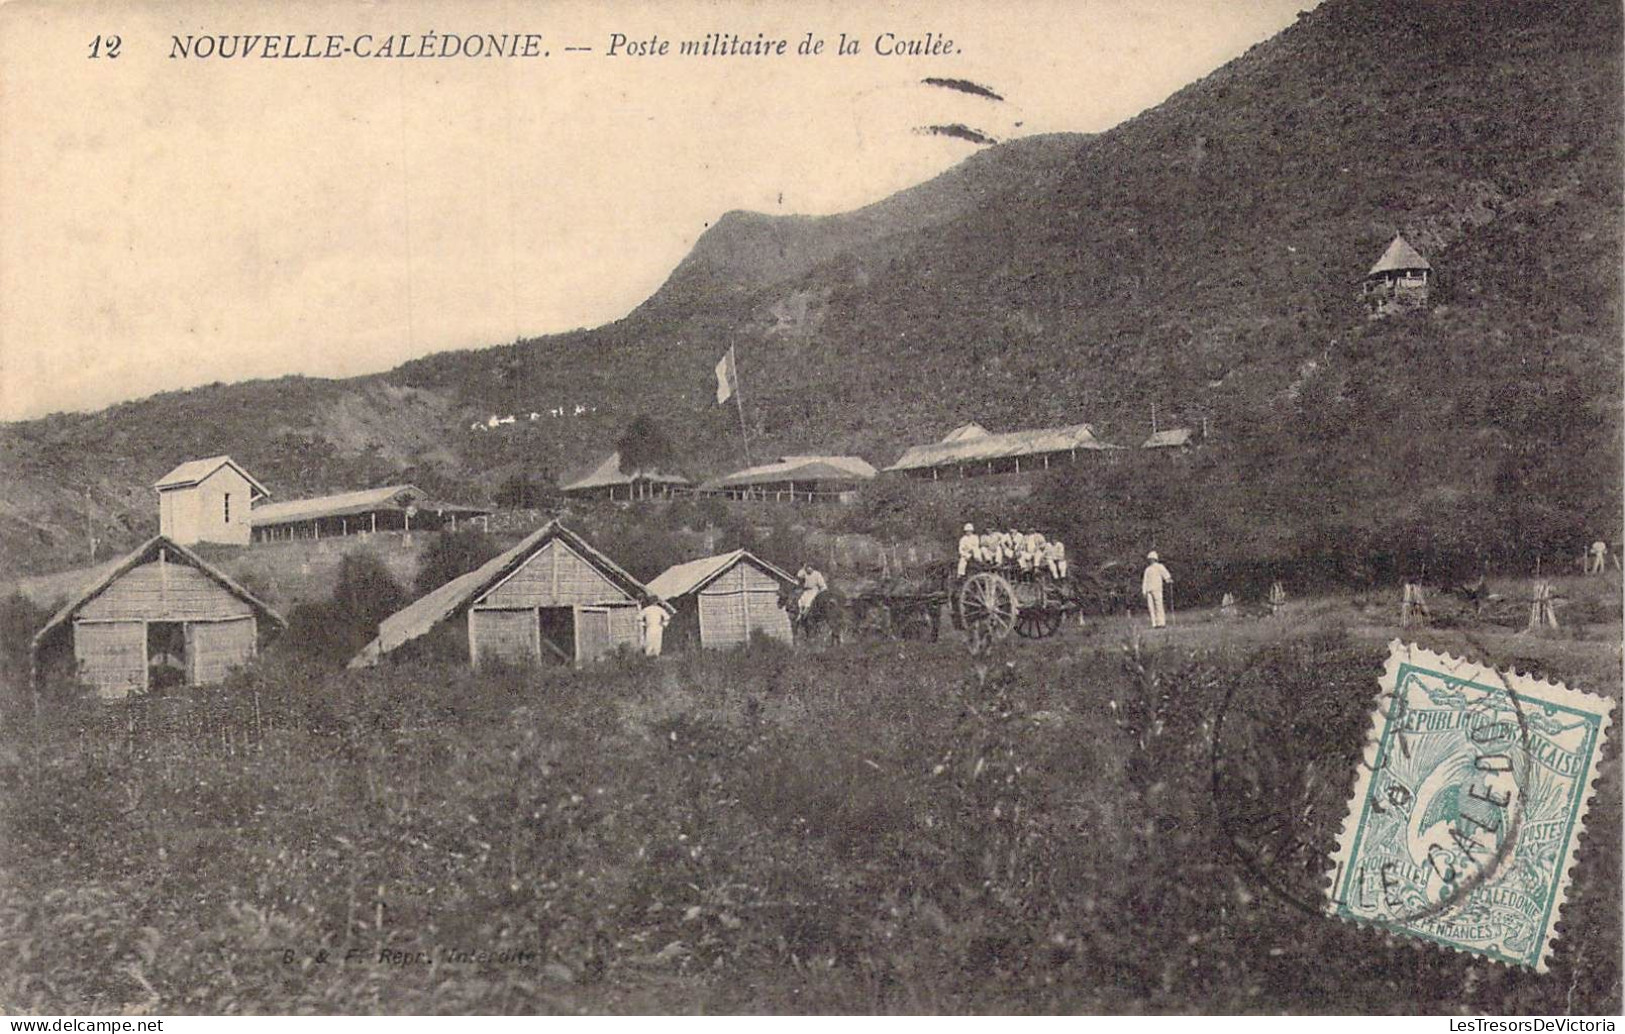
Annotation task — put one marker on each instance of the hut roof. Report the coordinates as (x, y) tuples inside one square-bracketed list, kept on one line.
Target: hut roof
[(419, 617), (964, 432), (609, 473), (367, 500), (1169, 439), (797, 468), (146, 553), (1400, 255), (961, 448), (193, 472), (697, 574)]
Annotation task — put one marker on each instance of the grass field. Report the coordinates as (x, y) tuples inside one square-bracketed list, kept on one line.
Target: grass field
[(878, 827)]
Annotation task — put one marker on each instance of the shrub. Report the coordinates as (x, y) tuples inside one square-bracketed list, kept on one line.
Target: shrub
[(645, 445), (20, 618), (332, 632), (453, 553), (527, 492)]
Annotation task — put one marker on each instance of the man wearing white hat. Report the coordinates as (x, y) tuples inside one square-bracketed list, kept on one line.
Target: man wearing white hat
[(1156, 577), (970, 547)]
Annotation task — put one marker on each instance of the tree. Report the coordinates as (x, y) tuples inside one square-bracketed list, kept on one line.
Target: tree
[(366, 593), (453, 553), (523, 492), (20, 618), (644, 445)]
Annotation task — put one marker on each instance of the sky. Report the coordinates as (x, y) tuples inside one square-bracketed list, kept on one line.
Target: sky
[(169, 220)]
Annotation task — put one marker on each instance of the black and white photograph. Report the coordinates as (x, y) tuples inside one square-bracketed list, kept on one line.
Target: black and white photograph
[(740, 508)]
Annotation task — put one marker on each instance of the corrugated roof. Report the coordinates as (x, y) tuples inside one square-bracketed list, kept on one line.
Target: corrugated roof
[(696, 574), (194, 471), (389, 497), (1000, 446), (1400, 255), (145, 553), (418, 617), (797, 468), (1168, 439), (609, 473)]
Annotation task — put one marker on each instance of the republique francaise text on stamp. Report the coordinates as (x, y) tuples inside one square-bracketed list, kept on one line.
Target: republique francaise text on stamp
[(1468, 808)]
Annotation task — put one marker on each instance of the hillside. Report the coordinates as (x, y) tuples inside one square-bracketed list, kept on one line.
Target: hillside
[(1203, 256), (748, 251)]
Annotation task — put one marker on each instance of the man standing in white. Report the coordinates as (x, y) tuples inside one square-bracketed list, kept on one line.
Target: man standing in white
[(654, 618), (1151, 583)]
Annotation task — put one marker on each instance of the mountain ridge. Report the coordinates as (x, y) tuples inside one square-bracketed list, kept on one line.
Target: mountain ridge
[(1203, 256)]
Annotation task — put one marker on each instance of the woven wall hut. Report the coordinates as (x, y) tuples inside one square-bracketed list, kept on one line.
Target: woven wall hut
[(551, 598), (159, 615), (721, 601)]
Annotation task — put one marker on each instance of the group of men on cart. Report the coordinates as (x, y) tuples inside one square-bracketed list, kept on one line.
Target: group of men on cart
[(1030, 553)]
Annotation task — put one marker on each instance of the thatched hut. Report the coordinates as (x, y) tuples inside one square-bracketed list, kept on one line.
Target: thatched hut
[(552, 597), (1400, 280), (721, 601), (159, 615)]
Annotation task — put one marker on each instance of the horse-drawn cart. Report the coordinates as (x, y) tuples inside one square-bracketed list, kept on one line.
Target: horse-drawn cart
[(986, 604), (1031, 603)]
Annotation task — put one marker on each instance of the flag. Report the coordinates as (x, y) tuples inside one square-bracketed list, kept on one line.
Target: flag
[(727, 378)]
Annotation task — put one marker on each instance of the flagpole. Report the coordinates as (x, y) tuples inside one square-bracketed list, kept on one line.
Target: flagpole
[(739, 402)]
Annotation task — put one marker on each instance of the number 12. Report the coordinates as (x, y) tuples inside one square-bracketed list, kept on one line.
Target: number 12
[(112, 44)]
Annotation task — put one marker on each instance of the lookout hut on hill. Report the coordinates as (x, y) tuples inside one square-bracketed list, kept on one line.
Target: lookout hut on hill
[(159, 615), (207, 501), (609, 481), (971, 449), (721, 601), (1398, 282), (551, 598), (390, 508), (805, 479)]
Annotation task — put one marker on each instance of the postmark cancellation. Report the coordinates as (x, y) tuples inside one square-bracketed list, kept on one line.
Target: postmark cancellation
[(1468, 806)]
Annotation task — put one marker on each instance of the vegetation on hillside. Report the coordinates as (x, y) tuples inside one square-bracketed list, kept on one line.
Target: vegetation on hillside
[(888, 831)]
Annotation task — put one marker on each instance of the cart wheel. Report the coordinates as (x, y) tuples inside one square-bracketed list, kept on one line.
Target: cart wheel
[(987, 606), (1038, 624)]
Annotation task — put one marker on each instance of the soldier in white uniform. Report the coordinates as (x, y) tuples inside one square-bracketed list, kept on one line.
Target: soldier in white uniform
[(1152, 583), (1598, 562), (655, 619), (1032, 551), (970, 548), (990, 547), (1055, 557), (812, 583)]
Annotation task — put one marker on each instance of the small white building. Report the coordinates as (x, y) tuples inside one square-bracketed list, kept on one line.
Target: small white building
[(207, 501)]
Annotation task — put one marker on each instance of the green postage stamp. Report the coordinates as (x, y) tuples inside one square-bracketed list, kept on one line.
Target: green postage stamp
[(1468, 806)]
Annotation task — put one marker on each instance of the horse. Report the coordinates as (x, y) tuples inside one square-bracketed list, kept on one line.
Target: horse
[(829, 619)]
